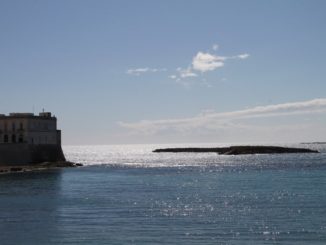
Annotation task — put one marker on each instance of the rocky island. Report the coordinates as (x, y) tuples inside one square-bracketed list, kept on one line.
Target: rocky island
[(240, 150)]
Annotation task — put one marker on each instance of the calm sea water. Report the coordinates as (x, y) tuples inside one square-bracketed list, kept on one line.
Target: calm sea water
[(129, 195)]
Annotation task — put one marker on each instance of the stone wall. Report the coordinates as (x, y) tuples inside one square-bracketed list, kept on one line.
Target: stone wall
[(25, 154)]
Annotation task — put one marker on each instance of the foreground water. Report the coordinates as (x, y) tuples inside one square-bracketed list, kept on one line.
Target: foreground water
[(128, 195)]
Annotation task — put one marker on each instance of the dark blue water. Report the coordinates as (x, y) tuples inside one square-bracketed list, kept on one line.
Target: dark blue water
[(282, 203)]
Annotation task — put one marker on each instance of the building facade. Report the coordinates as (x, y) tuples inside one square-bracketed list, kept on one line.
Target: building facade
[(27, 128), (27, 139)]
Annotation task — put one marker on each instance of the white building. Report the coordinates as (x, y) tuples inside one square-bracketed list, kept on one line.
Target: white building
[(19, 128)]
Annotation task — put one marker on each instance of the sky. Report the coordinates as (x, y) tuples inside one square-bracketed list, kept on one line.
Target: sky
[(185, 71)]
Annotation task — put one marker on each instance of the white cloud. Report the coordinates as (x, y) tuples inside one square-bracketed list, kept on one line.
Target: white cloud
[(215, 120), (173, 76), (139, 71), (243, 56), (204, 62), (201, 63), (186, 72), (183, 76)]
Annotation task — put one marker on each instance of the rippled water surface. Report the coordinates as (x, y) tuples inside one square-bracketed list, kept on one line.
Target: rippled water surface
[(129, 195)]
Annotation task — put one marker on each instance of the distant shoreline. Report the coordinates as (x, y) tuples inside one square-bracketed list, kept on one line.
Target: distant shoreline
[(239, 150), (313, 143)]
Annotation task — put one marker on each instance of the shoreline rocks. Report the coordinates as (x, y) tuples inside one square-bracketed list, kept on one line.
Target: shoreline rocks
[(239, 150), (6, 169)]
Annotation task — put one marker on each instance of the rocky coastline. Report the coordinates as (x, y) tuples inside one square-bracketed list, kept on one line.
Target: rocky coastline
[(239, 150), (6, 169)]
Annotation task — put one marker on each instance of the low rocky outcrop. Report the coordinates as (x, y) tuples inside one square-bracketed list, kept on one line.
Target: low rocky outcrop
[(37, 167), (240, 150)]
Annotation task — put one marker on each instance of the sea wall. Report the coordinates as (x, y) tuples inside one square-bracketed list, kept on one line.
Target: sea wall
[(22, 154)]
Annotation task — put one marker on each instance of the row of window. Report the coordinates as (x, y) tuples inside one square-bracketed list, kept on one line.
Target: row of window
[(13, 126), (20, 139), (13, 138), (20, 126)]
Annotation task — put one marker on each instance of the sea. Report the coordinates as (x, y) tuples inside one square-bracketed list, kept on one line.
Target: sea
[(126, 194)]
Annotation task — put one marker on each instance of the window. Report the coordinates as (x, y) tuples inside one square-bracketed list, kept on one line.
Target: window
[(13, 126), (21, 126), (21, 139), (5, 138), (13, 138)]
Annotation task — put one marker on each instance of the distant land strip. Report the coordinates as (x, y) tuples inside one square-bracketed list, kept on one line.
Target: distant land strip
[(314, 143), (240, 150)]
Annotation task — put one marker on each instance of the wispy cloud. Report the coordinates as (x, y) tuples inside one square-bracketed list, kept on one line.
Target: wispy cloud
[(139, 71), (214, 120), (215, 47), (186, 72), (201, 63), (204, 62), (243, 56)]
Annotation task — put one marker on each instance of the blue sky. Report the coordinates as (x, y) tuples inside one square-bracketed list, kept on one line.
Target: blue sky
[(118, 72)]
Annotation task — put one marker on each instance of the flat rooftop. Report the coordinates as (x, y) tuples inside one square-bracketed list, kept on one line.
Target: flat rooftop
[(27, 115)]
